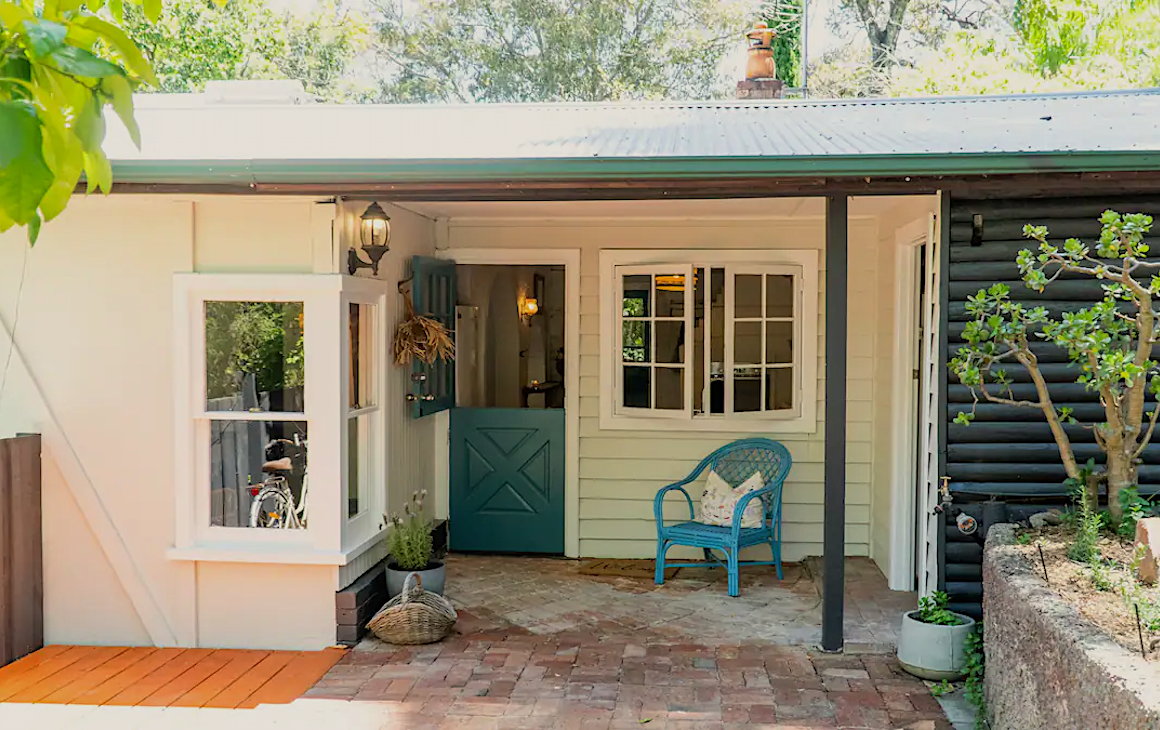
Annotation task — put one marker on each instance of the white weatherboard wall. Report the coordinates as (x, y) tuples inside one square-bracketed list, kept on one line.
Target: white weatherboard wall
[(409, 441), (94, 373), (620, 471)]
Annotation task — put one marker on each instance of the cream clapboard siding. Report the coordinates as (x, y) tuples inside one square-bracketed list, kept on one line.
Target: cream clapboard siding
[(621, 470), (95, 328)]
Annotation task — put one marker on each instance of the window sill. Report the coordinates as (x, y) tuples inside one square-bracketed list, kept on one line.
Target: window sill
[(274, 554), (700, 425)]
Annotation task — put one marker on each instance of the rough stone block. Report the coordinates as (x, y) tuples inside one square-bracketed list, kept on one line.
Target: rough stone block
[(1148, 535)]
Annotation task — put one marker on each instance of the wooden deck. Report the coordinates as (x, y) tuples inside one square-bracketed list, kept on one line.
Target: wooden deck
[(149, 677)]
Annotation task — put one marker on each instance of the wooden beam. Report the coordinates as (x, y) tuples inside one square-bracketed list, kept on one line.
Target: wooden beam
[(980, 187)]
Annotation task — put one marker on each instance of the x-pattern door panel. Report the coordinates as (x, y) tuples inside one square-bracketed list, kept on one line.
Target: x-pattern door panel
[(507, 480)]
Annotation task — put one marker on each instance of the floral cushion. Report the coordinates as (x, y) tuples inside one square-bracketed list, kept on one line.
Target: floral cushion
[(719, 500)]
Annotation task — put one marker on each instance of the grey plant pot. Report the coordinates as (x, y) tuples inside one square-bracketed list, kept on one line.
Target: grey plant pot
[(933, 652), (433, 578)]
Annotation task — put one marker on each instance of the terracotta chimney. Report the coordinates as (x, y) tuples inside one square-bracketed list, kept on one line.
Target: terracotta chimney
[(761, 80)]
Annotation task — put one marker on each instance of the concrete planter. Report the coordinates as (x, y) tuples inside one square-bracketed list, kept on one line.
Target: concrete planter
[(433, 577), (931, 651)]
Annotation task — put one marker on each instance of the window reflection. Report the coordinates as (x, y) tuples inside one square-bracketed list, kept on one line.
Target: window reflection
[(255, 356)]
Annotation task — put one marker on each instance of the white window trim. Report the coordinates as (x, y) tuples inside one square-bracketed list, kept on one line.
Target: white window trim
[(367, 524), (326, 541), (806, 261)]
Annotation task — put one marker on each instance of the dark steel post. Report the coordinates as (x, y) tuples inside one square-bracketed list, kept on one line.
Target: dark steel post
[(834, 540)]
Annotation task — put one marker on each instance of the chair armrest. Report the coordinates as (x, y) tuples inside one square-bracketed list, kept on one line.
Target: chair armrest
[(659, 501), (739, 508)]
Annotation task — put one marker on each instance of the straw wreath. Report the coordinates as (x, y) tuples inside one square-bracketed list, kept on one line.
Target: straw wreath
[(422, 338)]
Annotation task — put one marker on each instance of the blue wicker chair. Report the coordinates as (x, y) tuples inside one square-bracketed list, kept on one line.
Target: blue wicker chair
[(734, 463)]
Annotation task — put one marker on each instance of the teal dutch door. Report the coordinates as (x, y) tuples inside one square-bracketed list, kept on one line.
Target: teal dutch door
[(507, 480)]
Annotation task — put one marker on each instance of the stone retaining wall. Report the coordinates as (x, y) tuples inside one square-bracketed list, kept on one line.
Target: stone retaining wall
[(1047, 666)]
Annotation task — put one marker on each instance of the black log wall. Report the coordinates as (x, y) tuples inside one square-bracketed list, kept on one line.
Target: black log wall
[(1007, 453)]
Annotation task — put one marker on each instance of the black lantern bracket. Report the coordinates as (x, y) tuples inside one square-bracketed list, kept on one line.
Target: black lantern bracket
[(354, 262)]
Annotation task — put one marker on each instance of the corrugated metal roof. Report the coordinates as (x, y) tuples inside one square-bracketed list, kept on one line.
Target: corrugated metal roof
[(183, 135)]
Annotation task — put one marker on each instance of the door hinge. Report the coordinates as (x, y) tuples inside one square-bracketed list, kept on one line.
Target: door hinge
[(915, 374)]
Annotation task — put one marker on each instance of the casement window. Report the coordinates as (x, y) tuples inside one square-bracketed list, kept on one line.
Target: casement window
[(279, 425), (709, 340)]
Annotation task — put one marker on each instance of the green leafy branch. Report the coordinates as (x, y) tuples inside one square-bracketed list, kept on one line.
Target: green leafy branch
[(61, 63), (1110, 341)]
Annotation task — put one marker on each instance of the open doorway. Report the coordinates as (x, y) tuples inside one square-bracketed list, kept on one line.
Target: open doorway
[(507, 432)]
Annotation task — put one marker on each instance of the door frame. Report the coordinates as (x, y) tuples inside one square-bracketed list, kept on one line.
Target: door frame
[(905, 395), (569, 258)]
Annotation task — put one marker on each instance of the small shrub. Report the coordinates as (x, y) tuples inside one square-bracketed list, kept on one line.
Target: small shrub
[(1088, 523), (932, 609), (409, 541), (1101, 578), (1023, 538), (975, 669), (1135, 509), (942, 688)]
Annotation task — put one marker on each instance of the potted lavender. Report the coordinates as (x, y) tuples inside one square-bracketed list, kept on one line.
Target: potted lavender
[(409, 548)]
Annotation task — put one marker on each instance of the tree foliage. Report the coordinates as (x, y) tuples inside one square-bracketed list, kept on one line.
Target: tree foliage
[(195, 41), (1111, 342), (553, 50), (61, 63), (1044, 45)]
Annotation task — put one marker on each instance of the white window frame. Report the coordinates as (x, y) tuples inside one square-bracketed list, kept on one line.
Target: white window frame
[(366, 526), (328, 539), (803, 264)]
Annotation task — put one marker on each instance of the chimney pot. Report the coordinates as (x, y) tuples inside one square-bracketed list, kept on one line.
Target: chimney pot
[(761, 80)]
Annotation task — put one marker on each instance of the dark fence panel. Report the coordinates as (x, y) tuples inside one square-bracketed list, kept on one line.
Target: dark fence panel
[(21, 574)]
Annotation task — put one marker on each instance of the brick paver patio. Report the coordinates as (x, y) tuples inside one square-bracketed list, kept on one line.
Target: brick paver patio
[(540, 646)]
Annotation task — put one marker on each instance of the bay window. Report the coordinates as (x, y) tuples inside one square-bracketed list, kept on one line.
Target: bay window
[(278, 420), (709, 340)]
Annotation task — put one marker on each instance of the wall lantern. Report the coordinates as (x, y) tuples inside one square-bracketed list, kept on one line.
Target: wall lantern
[(375, 236), (531, 306)]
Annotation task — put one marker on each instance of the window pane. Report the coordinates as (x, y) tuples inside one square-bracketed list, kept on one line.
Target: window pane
[(358, 455), (779, 342), (779, 389), (700, 396), (779, 295), (747, 295), (670, 388), (257, 473), (746, 390), (670, 295), (362, 350), (637, 386), (254, 356), (637, 342), (717, 341), (670, 346), (747, 343), (637, 295)]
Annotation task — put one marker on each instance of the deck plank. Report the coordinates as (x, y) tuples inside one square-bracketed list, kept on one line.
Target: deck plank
[(76, 671), (169, 693), (156, 679), (253, 680), (221, 680), (43, 671), (97, 675), (33, 660), (112, 686), (295, 678)]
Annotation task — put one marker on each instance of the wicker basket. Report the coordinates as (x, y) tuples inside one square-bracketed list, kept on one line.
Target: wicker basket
[(415, 616)]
